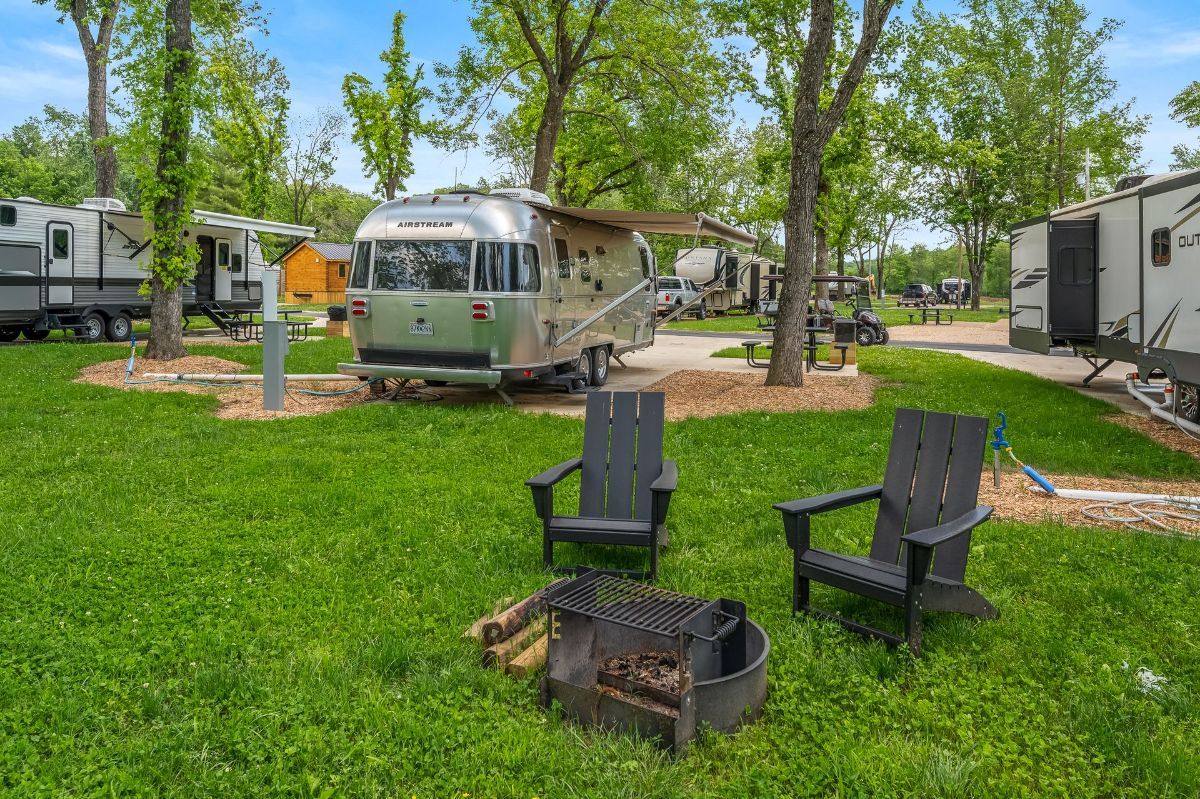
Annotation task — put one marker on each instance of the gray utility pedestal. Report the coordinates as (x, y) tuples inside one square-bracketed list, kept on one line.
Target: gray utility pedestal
[(275, 349)]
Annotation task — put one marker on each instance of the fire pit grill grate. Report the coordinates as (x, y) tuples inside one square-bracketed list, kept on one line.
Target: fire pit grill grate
[(630, 604)]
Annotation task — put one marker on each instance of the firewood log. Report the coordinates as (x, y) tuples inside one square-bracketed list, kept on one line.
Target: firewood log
[(502, 626), (529, 661), (499, 655)]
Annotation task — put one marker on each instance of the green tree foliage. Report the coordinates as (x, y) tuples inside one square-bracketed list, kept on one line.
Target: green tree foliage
[(1185, 108), (386, 121), (599, 87), (1004, 99), (48, 158), (251, 120)]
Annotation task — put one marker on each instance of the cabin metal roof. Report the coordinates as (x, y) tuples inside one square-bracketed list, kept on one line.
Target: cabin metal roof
[(331, 251)]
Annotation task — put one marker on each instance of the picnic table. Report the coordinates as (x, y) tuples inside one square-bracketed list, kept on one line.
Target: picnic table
[(245, 328), (810, 350), (935, 313)]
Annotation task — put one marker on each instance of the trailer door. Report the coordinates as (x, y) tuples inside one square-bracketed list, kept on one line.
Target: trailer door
[(1073, 279), (223, 276), (60, 285)]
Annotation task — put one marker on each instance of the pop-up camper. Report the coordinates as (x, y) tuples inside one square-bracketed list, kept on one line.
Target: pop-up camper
[(1116, 278), (79, 268), (499, 288)]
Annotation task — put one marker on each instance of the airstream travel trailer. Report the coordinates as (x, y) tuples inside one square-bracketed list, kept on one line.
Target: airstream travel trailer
[(733, 279), (500, 288), (79, 268), (1116, 278)]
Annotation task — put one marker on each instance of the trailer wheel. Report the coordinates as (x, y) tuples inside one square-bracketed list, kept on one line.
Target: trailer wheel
[(1188, 399), (93, 328), (119, 328), (599, 366), (32, 334), (864, 336), (9, 333), (584, 365), (702, 314)]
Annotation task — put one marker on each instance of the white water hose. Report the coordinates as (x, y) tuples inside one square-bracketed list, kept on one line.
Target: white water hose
[(1147, 513)]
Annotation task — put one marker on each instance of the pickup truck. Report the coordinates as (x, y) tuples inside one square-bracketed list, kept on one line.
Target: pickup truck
[(674, 292), (918, 294)]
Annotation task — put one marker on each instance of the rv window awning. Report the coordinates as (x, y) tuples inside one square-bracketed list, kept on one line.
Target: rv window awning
[(256, 225), (659, 222)]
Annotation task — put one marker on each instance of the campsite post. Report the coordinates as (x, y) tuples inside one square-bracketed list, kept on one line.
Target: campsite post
[(275, 344)]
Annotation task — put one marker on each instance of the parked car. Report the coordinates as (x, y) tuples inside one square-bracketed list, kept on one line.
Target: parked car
[(675, 292), (918, 294)]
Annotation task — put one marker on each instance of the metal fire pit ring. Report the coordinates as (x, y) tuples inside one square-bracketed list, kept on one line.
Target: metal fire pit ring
[(721, 658)]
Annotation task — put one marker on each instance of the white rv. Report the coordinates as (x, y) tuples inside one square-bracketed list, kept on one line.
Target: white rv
[(79, 268), (729, 279), (501, 288), (1116, 278)]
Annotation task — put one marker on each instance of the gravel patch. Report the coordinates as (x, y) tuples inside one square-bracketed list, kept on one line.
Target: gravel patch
[(243, 402), (694, 393), (957, 333)]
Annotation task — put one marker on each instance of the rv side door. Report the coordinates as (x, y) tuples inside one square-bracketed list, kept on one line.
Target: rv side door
[(60, 262), (223, 277)]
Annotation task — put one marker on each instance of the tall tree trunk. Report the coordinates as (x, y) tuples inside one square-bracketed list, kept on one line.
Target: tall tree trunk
[(166, 295), (95, 54), (547, 135), (389, 187), (821, 290), (787, 359)]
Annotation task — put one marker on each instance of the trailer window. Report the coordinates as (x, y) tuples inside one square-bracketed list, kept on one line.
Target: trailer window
[(645, 262), (8, 215), (362, 265), (1160, 247), (564, 258), (503, 266), (422, 265), (237, 263), (60, 243), (1076, 266), (223, 254)]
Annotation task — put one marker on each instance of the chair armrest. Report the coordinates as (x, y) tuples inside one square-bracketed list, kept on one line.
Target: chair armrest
[(827, 502), (668, 481), (554, 474), (932, 536), (661, 490)]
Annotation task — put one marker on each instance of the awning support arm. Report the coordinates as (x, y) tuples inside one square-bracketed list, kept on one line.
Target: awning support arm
[(591, 320)]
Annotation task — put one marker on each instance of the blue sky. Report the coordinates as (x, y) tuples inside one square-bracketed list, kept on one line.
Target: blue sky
[(1155, 54)]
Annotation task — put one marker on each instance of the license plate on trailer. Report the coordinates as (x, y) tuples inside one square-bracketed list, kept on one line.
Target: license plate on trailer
[(420, 328)]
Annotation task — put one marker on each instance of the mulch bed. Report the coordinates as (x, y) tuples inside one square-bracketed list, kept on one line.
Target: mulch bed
[(1163, 432), (696, 393)]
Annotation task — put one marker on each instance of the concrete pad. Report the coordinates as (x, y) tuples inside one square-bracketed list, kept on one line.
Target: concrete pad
[(669, 354)]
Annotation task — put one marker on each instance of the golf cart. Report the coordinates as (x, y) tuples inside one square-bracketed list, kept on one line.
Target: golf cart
[(869, 329)]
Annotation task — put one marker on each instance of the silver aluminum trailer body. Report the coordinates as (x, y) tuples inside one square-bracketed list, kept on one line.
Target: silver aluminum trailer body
[(736, 279), (489, 289), (59, 262), (1116, 278)]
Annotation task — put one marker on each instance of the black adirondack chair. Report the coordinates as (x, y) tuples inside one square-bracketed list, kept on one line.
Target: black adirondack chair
[(928, 506), (625, 485)]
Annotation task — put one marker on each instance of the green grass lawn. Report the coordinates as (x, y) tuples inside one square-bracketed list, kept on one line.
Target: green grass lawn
[(892, 317), (197, 607)]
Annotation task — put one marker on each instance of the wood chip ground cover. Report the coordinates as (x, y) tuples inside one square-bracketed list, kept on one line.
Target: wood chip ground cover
[(695, 393)]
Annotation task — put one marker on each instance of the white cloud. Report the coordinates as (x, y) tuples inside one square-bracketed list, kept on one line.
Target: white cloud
[(45, 85), (56, 50)]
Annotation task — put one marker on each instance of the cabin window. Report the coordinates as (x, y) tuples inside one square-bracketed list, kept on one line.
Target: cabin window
[(237, 262), (362, 265), (1076, 266), (422, 265), (504, 266), (564, 258), (61, 243), (8, 215), (1160, 247), (341, 270)]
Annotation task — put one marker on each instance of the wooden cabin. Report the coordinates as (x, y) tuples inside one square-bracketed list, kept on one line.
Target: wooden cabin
[(315, 272)]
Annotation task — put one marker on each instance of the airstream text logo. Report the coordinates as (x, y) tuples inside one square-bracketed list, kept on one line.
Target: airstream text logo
[(424, 224)]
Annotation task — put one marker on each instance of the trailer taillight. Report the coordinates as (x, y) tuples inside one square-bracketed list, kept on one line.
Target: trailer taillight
[(481, 311), (360, 308)]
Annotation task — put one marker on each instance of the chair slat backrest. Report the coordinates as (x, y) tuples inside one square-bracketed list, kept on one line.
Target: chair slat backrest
[(932, 477), (622, 453)]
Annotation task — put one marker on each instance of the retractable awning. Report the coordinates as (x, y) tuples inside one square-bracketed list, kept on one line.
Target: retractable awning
[(659, 222), (257, 225)]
